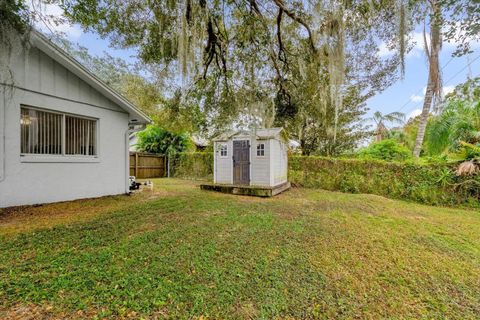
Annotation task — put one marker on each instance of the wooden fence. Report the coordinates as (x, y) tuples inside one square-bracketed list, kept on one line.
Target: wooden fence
[(146, 165)]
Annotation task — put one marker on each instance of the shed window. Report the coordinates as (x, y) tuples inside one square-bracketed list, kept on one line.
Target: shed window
[(223, 150), (53, 133), (260, 149)]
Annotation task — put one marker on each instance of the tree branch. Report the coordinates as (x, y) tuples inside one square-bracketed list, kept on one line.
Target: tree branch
[(280, 4)]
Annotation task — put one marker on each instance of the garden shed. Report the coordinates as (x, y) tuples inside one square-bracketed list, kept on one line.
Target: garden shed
[(250, 160)]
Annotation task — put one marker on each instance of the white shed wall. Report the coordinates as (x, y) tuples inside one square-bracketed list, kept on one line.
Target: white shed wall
[(279, 162), (41, 82), (223, 166), (260, 166)]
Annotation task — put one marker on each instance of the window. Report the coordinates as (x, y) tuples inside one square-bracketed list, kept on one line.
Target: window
[(223, 150), (80, 136), (53, 133), (260, 149), (41, 132)]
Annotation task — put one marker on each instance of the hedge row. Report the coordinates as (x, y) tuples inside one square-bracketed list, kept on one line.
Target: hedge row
[(192, 165), (429, 184)]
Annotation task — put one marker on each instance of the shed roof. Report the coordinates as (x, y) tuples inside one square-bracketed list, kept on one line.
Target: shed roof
[(56, 53), (270, 133)]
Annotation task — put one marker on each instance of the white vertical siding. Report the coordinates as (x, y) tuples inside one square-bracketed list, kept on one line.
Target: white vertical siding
[(279, 162), (223, 165), (39, 72), (260, 165)]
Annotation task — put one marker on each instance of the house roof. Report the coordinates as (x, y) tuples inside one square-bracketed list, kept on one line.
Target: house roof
[(56, 53), (271, 133)]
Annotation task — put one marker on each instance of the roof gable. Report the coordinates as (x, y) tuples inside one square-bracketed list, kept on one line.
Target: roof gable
[(56, 53)]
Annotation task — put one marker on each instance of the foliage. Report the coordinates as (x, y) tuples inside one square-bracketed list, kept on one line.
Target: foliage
[(435, 184), (132, 81), (388, 150), (246, 63), (14, 16), (180, 252), (381, 121), (180, 115), (406, 134), (459, 121), (462, 24), (467, 91), (192, 165), (155, 139)]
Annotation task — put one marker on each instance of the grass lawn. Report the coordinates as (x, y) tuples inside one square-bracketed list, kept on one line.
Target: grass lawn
[(179, 252)]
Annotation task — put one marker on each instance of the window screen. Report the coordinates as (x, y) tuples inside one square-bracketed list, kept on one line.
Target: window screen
[(80, 136), (41, 132)]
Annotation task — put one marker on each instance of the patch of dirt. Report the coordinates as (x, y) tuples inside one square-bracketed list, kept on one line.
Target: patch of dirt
[(43, 312)]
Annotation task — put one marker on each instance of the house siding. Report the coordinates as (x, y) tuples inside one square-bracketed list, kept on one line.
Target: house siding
[(42, 82)]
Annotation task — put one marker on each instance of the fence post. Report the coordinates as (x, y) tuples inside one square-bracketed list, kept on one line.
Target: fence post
[(136, 164), (168, 165)]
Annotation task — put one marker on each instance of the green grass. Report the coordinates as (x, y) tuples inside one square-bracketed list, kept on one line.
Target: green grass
[(185, 253)]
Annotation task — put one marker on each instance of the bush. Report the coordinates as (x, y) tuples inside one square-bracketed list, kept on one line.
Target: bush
[(388, 150), (434, 184), (192, 165), (155, 139)]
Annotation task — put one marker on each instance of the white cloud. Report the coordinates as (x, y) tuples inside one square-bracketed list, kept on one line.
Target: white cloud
[(53, 20), (447, 90), (416, 98), (414, 113), (384, 51)]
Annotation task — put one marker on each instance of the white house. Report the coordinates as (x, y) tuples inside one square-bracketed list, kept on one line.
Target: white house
[(63, 132), (256, 158)]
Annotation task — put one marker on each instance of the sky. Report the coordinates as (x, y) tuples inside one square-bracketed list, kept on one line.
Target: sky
[(405, 95)]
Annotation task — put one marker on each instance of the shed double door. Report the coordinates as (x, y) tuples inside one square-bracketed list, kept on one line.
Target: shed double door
[(241, 162)]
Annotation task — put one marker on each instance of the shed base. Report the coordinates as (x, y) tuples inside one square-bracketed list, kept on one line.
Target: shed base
[(258, 191)]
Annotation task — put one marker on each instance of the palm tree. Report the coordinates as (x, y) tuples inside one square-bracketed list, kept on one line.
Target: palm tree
[(434, 84), (459, 121), (381, 119)]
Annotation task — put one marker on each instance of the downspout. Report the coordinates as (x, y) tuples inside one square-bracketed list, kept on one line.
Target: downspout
[(132, 127)]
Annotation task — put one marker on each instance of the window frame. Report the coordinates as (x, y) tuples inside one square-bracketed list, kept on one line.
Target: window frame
[(222, 146), (262, 150), (63, 156)]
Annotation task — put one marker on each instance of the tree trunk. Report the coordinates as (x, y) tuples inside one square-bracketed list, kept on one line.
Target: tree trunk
[(427, 102), (434, 79)]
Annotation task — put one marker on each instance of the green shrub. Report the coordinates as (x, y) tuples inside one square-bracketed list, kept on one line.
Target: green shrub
[(434, 184), (388, 150), (192, 165), (155, 139)]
